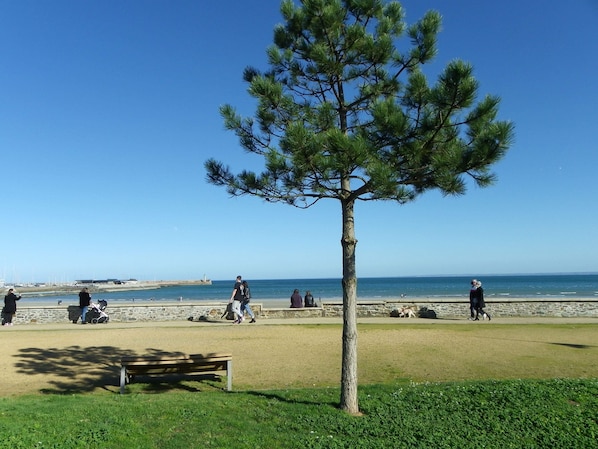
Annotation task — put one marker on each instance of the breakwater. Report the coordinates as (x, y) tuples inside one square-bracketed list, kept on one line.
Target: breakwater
[(443, 308)]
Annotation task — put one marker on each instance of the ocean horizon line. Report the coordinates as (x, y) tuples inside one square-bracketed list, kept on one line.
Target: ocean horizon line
[(379, 288), (8, 284), (559, 273)]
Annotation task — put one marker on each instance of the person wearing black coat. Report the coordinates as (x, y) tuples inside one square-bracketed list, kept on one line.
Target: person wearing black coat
[(84, 303), (296, 300), (473, 299), (10, 307), (309, 300), (480, 304)]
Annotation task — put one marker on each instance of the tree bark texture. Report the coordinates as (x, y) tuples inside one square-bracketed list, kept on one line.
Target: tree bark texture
[(348, 401)]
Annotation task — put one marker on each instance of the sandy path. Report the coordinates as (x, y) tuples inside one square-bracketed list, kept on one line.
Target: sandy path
[(282, 353)]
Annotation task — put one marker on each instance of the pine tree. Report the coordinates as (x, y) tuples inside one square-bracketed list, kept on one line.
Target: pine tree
[(343, 113)]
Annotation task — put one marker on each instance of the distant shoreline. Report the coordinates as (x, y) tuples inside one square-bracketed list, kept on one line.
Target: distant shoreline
[(69, 289)]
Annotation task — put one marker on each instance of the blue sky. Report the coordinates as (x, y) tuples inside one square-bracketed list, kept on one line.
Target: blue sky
[(108, 110)]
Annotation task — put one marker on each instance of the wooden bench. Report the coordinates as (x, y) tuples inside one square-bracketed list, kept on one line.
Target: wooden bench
[(152, 365)]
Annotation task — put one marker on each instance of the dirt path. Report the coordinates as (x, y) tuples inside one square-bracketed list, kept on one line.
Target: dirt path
[(296, 353)]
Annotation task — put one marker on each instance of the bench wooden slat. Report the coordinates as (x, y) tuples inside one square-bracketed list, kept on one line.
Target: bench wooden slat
[(155, 358), (177, 363), (196, 362)]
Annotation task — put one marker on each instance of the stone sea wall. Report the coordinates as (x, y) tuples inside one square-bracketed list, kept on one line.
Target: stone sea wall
[(445, 308)]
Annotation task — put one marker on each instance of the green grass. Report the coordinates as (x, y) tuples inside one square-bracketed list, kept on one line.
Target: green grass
[(558, 413)]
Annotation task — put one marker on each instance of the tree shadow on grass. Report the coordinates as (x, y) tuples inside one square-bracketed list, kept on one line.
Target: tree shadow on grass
[(573, 345), (290, 400), (85, 369), (554, 343)]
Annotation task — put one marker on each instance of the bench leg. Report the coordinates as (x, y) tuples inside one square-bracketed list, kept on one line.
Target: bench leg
[(229, 375), (123, 379)]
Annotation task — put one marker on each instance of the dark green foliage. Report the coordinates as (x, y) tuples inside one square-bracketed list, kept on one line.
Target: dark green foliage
[(343, 102)]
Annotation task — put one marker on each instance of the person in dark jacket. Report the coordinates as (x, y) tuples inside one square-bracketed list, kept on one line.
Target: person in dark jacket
[(480, 304), (296, 300), (473, 299), (245, 303), (10, 307), (84, 302), (236, 298), (309, 300)]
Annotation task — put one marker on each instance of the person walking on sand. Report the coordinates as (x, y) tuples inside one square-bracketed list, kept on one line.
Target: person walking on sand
[(473, 299), (245, 303), (296, 300), (10, 307), (480, 304), (84, 303), (236, 298)]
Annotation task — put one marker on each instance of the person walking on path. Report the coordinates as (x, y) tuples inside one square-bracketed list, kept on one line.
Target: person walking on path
[(236, 298), (245, 303), (480, 304), (296, 300), (84, 303), (10, 307), (473, 299)]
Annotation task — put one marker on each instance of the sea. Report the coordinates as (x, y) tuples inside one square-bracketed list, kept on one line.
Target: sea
[(385, 288)]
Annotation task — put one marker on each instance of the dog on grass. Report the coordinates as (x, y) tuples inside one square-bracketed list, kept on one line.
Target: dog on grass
[(406, 312)]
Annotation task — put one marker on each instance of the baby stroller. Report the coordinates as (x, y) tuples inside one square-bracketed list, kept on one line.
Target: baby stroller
[(96, 313)]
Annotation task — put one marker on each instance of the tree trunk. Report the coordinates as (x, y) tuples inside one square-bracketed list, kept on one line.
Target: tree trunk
[(349, 362)]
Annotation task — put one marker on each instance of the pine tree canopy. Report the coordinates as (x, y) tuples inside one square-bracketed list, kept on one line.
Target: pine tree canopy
[(345, 111)]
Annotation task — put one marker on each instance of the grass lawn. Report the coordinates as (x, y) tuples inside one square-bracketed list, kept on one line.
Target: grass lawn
[(454, 386), (492, 414)]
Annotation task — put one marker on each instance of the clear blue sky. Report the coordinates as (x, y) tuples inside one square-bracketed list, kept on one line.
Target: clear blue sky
[(109, 108)]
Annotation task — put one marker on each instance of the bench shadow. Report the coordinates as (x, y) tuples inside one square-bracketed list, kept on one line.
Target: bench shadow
[(77, 369)]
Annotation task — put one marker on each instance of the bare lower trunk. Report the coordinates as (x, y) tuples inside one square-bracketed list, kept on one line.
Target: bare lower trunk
[(349, 401)]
